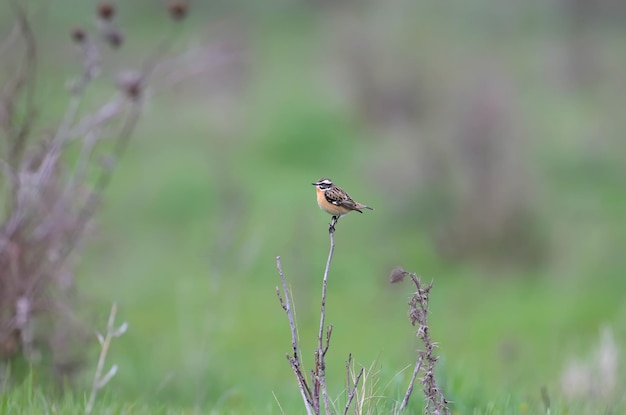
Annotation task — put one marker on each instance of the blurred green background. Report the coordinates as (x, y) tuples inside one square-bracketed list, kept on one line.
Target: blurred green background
[(489, 137)]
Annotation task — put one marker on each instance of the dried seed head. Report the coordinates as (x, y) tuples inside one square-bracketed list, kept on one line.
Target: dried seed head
[(106, 10), (397, 275), (178, 10), (114, 38), (78, 35), (133, 90), (131, 84)]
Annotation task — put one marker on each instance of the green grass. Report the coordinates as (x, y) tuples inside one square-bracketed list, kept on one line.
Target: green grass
[(195, 217)]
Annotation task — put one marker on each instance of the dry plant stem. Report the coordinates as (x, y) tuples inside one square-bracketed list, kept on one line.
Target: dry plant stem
[(311, 395), (321, 350), (25, 81), (436, 403), (49, 200), (321, 372), (409, 390), (99, 381), (294, 360), (320, 336)]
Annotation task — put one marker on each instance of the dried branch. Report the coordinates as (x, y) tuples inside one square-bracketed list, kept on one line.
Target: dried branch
[(19, 122), (294, 359), (311, 395), (321, 350), (436, 403), (50, 203)]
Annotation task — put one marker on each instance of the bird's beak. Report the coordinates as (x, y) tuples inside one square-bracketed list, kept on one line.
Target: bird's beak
[(314, 184)]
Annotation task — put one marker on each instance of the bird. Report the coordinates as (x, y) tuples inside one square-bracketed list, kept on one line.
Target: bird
[(335, 201)]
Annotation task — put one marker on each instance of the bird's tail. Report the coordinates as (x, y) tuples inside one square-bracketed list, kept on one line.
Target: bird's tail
[(360, 206)]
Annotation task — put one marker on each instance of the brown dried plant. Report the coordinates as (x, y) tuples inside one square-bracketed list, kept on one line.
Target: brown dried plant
[(52, 179), (315, 388), (436, 403)]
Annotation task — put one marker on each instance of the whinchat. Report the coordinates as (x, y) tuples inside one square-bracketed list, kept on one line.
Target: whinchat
[(335, 201)]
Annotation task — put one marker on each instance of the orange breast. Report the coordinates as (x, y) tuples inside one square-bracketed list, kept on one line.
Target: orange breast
[(321, 199), (328, 207)]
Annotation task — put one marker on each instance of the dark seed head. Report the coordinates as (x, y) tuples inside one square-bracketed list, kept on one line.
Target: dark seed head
[(106, 10), (78, 35), (178, 10), (133, 90), (114, 38), (131, 84), (397, 275)]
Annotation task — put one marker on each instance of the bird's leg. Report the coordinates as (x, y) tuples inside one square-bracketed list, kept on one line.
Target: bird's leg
[(333, 222)]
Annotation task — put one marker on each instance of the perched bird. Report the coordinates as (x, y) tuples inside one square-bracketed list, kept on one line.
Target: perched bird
[(335, 201)]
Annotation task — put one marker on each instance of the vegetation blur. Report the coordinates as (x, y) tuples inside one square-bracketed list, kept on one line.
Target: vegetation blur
[(488, 136)]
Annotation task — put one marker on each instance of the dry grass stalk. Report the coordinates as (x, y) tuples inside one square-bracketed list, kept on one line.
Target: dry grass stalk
[(352, 383), (100, 380)]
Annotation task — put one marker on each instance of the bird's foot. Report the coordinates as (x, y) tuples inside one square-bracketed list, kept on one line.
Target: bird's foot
[(333, 222)]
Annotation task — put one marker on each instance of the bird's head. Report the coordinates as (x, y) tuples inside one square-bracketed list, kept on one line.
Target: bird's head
[(323, 184)]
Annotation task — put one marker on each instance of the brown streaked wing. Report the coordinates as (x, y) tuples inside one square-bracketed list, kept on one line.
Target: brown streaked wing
[(339, 197)]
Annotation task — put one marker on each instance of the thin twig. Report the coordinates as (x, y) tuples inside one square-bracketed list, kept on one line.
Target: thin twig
[(98, 118), (409, 390), (294, 360), (348, 374), (320, 334), (106, 174), (322, 380), (91, 68), (321, 351), (26, 83)]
